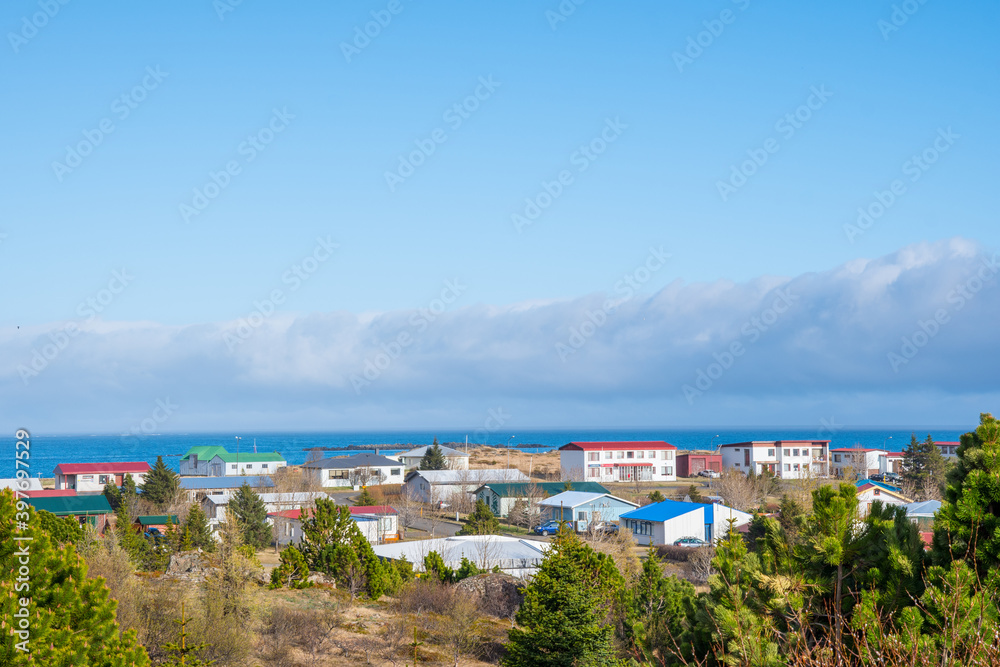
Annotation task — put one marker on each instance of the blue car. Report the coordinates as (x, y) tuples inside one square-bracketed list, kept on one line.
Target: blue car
[(547, 528)]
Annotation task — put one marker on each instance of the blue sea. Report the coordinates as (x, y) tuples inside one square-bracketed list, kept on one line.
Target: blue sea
[(47, 451)]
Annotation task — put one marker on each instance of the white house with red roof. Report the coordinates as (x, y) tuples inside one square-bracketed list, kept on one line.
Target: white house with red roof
[(891, 462), (949, 449), (855, 462), (91, 477), (786, 459), (625, 461)]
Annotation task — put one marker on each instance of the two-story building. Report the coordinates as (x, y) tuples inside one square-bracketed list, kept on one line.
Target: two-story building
[(855, 462), (786, 459), (219, 462), (91, 477), (359, 470), (646, 461)]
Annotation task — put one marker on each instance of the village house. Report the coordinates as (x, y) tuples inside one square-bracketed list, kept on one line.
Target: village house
[(91, 477), (670, 520), (583, 509), (922, 514), (438, 486), (855, 462), (90, 510), (456, 460), (199, 487), (354, 471), (785, 459), (891, 462), (215, 505), (949, 449), (146, 522), (501, 496), (218, 462), (689, 464), (869, 491), (651, 461), (518, 557), (379, 524)]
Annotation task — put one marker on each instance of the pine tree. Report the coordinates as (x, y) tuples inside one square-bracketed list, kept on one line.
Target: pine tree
[(71, 617), (197, 527), (113, 494), (181, 652), (433, 458), (481, 521), (366, 499), (694, 494), (128, 488), (292, 572), (62, 530), (132, 542), (968, 524), (563, 621), (435, 568), (656, 497), (160, 484), (249, 510)]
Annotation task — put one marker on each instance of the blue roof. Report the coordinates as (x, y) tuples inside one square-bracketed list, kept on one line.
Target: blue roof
[(234, 482), (887, 487), (666, 510)]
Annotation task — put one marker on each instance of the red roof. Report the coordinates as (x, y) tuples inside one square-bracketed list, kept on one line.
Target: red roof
[(101, 468), (50, 493), (946, 442), (894, 454), (842, 450), (374, 509), (588, 446), (288, 514)]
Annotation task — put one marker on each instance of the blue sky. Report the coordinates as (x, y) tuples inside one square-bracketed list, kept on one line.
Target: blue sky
[(554, 87)]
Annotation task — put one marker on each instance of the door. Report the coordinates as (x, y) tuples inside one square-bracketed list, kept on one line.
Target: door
[(216, 470)]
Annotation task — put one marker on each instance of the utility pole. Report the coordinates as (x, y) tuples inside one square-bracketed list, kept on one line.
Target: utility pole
[(237, 455)]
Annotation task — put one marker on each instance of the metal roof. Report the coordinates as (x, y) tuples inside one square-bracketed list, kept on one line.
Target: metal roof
[(923, 508), (521, 489), (156, 520), (420, 451), (615, 445), (666, 510), (66, 505), (364, 460), (234, 482), (469, 476), (577, 498), (269, 498), (112, 468), (209, 453)]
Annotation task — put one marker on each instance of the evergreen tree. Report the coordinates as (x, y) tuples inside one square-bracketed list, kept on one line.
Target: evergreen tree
[(129, 540), (694, 494), (433, 458), (249, 510), (466, 569), (434, 568), (129, 491), (197, 527), (160, 484), (923, 469), (662, 613), (366, 499), (656, 497), (71, 618), (968, 524), (481, 521), (292, 572), (181, 653), (113, 494), (62, 530), (564, 619)]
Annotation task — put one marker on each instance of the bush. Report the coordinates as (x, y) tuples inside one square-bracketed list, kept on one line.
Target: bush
[(676, 554), (425, 596)]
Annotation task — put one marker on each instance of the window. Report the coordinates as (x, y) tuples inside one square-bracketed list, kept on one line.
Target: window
[(670, 455), (103, 479), (640, 455), (788, 468), (663, 470), (620, 455), (593, 472), (787, 452), (795, 452), (737, 464), (796, 467), (264, 466), (581, 515), (593, 456), (607, 455), (393, 471), (652, 455), (630, 455), (670, 470), (232, 466), (770, 453), (836, 458), (248, 466), (737, 449)]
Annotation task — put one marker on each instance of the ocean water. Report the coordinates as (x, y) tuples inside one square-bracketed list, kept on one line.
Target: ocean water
[(47, 451)]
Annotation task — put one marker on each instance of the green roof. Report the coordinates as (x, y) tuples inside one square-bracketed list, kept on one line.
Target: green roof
[(156, 519), (72, 505), (209, 453), (520, 490)]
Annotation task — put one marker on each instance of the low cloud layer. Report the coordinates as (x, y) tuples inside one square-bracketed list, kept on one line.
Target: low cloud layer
[(911, 335)]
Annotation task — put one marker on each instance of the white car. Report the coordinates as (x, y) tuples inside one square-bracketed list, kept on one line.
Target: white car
[(711, 474)]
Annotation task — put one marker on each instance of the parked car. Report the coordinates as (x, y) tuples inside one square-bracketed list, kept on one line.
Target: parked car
[(692, 542), (605, 527), (547, 528), (711, 474)]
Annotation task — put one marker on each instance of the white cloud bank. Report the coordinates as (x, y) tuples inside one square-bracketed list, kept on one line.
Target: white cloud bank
[(909, 336)]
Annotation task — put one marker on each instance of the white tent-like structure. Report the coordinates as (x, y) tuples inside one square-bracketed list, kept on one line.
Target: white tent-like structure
[(515, 556)]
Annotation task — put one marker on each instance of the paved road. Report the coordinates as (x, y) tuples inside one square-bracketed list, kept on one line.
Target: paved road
[(437, 527)]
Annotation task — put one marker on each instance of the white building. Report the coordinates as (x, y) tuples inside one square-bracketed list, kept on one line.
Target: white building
[(869, 492), (215, 506), (890, 462), (652, 461), (199, 487), (354, 471), (218, 462), (582, 509), (456, 460), (668, 521), (786, 459), (519, 557), (91, 477), (855, 462), (432, 486), (949, 449), (378, 524)]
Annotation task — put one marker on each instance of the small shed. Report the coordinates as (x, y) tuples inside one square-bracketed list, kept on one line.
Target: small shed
[(144, 523), (88, 510), (583, 508)]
